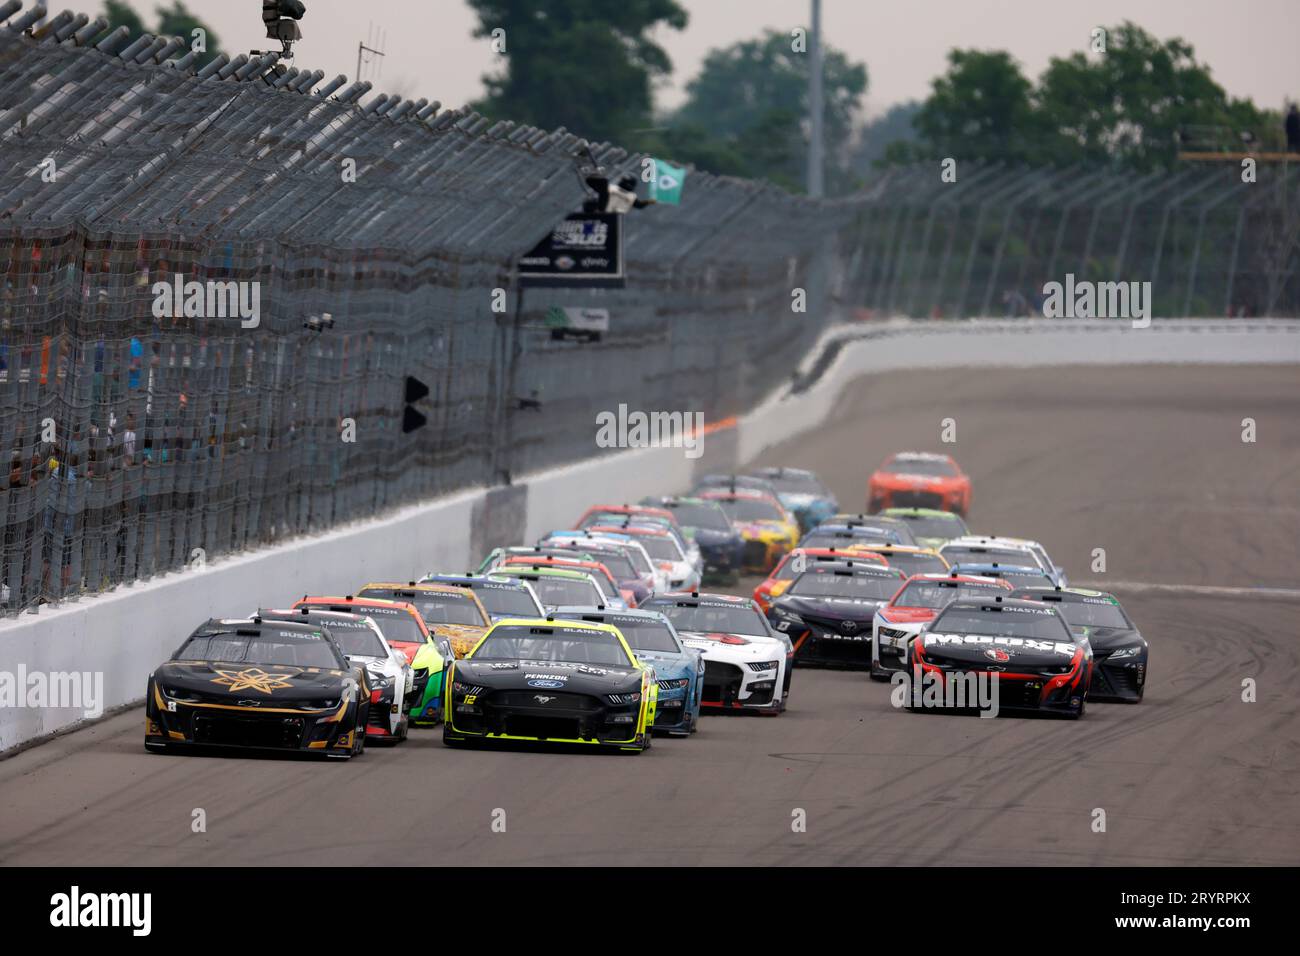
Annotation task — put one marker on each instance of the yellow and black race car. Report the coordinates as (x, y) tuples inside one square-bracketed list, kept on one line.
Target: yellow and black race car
[(267, 685), (552, 681)]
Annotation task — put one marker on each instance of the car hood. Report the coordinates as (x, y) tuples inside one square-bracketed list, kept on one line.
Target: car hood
[(846, 609), (741, 646), (548, 675), (668, 665), (1011, 653), (242, 681), (907, 615), (711, 538), (753, 529), (462, 637)]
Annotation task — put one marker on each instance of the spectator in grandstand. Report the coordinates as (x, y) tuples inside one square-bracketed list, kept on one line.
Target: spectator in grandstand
[(1293, 129)]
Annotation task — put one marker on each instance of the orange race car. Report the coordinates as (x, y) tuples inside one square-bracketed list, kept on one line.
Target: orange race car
[(399, 622), (914, 479), (447, 611), (790, 568)]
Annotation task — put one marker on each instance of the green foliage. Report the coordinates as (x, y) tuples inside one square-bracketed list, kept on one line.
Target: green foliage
[(178, 21), (173, 21), (753, 96), (1126, 106), (587, 65)]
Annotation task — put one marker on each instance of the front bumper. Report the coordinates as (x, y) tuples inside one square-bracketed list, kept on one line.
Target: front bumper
[(730, 686), (826, 644), (1122, 680), (427, 709), (564, 718), (674, 713), (251, 728)]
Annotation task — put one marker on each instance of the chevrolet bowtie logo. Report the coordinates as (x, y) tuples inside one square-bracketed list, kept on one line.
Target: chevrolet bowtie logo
[(252, 678)]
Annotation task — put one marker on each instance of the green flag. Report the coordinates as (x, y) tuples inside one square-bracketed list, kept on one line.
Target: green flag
[(666, 186)]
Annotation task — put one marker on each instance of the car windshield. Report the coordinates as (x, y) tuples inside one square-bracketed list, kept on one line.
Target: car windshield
[(979, 554), (709, 517), (508, 602), (940, 594), (932, 526), (713, 618), (750, 509), (911, 564), (844, 584), (396, 624), (543, 642), (1093, 612), (269, 646), (843, 539), (618, 564), (1023, 578), (357, 638), (436, 607), (661, 547), (934, 467), (641, 633), (1041, 623), (793, 484), (555, 591)]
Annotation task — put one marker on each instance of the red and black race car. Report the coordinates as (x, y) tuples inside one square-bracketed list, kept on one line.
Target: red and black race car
[(1039, 664)]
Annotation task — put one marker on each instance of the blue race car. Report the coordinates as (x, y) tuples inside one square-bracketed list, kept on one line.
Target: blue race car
[(803, 495), (654, 640)]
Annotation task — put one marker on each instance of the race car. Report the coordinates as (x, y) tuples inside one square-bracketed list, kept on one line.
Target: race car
[(719, 482), (930, 527), (454, 613), (722, 547), (769, 531), (262, 685), (797, 561), (747, 665), (1119, 651), (400, 622), (500, 597), (1017, 575), (679, 670), (919, 479), (872, 523), (634, 568), (827, 611), (843, 536), (644, 516), (552, 681), (802, 494), (611, 595), (912, 560), (976, 547), (915, 605), (679, 570), (1040, 665), (557, 587), (390, 675)]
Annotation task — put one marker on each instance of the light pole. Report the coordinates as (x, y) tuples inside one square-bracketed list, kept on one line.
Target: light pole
[(815, 183)]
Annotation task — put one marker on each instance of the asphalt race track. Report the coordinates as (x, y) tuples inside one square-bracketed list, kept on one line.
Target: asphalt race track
[(1147, 463)]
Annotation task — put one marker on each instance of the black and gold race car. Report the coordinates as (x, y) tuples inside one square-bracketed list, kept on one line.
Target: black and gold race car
[(266, 685)]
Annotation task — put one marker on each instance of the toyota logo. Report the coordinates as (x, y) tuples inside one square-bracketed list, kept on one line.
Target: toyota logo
[(849, 627)]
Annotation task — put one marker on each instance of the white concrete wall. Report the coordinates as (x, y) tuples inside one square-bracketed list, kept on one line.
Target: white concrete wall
[(126, 633)]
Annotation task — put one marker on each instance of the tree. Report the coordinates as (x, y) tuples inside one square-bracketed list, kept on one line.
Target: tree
[(982, 109), (754, 96), (178, 21), (875, 138), (173, 21), (1130, 103), (587, 65)]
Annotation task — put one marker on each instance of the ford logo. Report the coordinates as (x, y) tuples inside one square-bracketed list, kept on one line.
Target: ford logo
[(546, 683)]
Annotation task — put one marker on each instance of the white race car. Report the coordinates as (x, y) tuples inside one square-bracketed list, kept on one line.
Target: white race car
[(388, 671), (976, 548), (916, 604), (747, 665)]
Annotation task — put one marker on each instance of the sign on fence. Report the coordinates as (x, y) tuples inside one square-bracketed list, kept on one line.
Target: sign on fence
[(585, 249)]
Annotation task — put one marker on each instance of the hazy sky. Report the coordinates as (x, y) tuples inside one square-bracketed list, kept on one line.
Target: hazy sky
[(1252, 46)]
